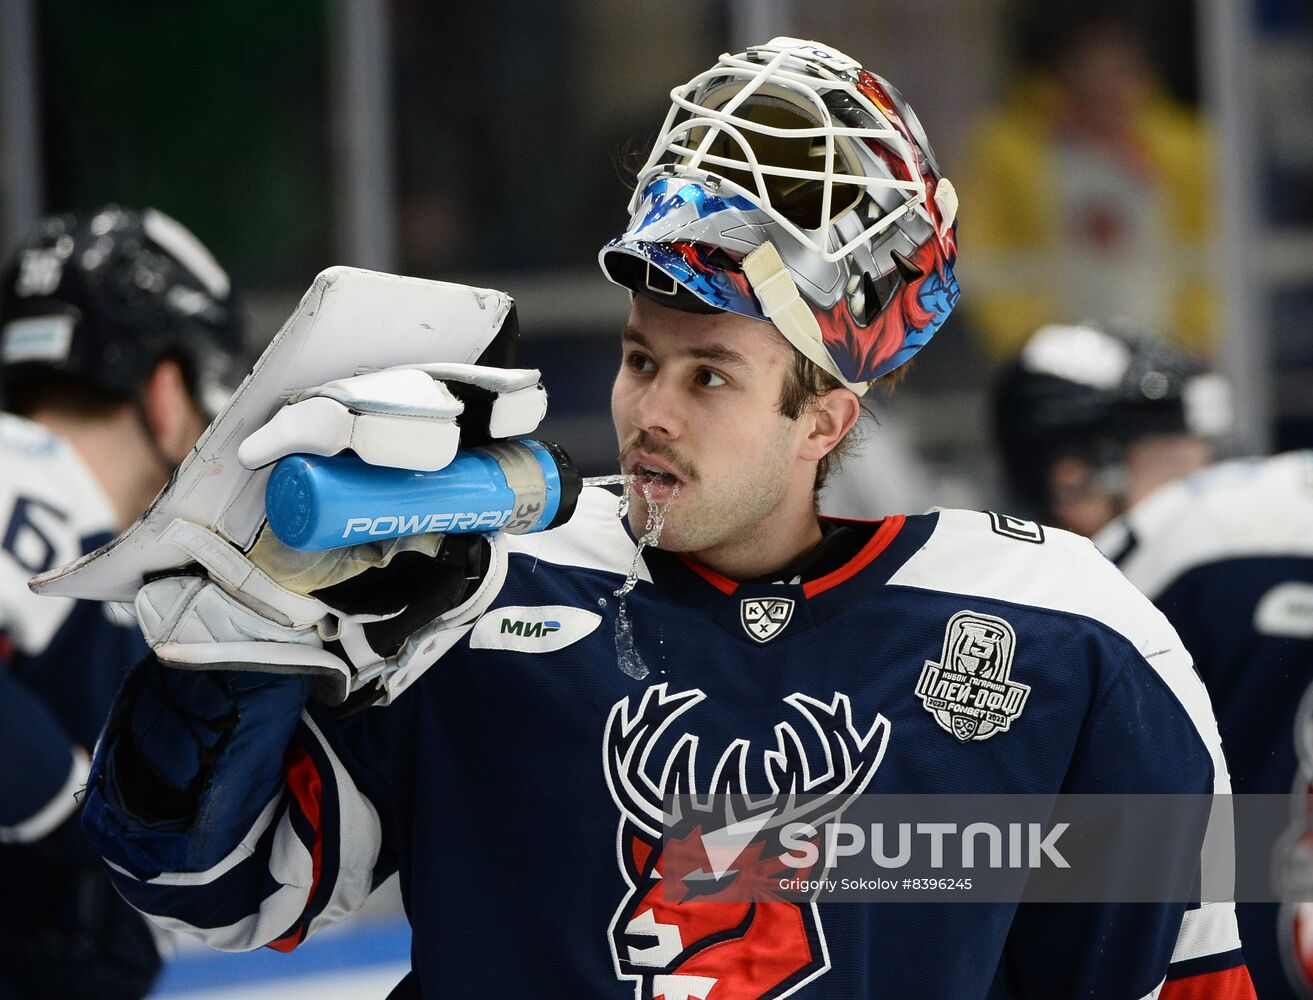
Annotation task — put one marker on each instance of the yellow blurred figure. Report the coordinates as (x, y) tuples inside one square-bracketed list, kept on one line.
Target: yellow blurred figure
[(1089, 194)]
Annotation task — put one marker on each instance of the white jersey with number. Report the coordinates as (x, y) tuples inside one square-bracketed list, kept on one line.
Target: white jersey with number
[(60, 660)]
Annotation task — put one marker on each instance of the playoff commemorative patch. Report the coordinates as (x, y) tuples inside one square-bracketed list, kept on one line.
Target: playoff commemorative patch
[(969, 691)]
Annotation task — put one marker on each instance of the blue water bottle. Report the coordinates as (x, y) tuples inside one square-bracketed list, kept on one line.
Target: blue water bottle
[(315, 503)]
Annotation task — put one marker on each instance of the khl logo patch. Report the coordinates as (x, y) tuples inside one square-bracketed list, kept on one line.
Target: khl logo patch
[(968, 690), (764, 618)]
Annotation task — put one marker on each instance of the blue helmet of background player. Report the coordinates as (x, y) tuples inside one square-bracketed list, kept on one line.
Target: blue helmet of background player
[(1088, 391), (104, 298), (791, 185)]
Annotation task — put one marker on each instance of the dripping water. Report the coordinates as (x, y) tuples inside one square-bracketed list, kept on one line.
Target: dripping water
[(613, 481), (627, 655)]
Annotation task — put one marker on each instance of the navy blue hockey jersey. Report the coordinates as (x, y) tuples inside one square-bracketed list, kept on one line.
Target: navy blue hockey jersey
[(1227, 554), (513, 784)]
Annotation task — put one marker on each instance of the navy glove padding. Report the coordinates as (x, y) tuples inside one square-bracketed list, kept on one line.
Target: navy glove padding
[(187, 762)]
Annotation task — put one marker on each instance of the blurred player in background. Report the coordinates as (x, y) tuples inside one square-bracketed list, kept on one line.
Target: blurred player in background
[(118, 341), (1107, 431), (1090, 419), (790, 242)]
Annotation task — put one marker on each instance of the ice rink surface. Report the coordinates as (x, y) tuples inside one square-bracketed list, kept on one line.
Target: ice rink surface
[(362, 959)]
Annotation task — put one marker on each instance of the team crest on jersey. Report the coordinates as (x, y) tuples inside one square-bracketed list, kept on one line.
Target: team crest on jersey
[(969, 691), (764, 618), (684, 931)]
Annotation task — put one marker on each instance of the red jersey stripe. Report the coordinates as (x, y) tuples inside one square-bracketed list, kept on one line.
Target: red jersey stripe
[(306, 787), (878, 542), (1227, 984)]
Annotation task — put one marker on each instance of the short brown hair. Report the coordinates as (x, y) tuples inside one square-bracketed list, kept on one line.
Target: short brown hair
[(804, 384), (63, 393)]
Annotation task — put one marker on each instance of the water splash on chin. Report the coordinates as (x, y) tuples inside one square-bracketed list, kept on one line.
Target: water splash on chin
[(627, 655)]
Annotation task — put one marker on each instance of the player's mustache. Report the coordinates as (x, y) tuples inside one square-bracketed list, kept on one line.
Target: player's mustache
[(644, 442)]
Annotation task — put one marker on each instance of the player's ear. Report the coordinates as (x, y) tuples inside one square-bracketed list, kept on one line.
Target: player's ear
[(169, 410), (830, 417)]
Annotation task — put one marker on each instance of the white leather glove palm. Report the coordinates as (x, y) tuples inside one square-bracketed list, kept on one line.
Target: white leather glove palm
[(237, 617), (190, 621)]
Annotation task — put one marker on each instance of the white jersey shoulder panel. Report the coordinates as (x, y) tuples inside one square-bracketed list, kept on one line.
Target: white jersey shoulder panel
[(1233, 510), (594, 538), (966, 555), (49, 502)]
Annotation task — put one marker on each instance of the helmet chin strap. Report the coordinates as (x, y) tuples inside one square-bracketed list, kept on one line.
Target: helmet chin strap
[(783, 305), (1109, 476), (1114, 480), (1109, 472)]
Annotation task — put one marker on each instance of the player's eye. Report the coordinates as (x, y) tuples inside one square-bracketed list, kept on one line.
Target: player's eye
[(638, 362), (709, 379)]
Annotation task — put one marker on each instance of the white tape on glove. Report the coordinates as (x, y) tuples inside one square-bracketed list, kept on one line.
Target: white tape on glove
[(521, 401)]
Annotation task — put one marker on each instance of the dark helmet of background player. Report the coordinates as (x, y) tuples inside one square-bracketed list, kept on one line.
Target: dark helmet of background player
[(103, 298), (1091, 389)]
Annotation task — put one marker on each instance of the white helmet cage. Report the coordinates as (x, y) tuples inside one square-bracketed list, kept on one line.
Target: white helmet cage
[(817, 82)]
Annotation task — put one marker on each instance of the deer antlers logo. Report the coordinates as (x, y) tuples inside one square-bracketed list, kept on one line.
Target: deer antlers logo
[(681, 932)]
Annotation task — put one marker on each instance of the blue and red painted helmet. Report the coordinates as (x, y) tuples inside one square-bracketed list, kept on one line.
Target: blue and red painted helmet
[(789, 184)]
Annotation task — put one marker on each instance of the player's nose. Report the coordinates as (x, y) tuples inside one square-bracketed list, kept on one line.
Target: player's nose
[(657, 408)]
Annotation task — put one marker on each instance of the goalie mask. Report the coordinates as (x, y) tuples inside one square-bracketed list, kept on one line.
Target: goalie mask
[(789, 184)]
